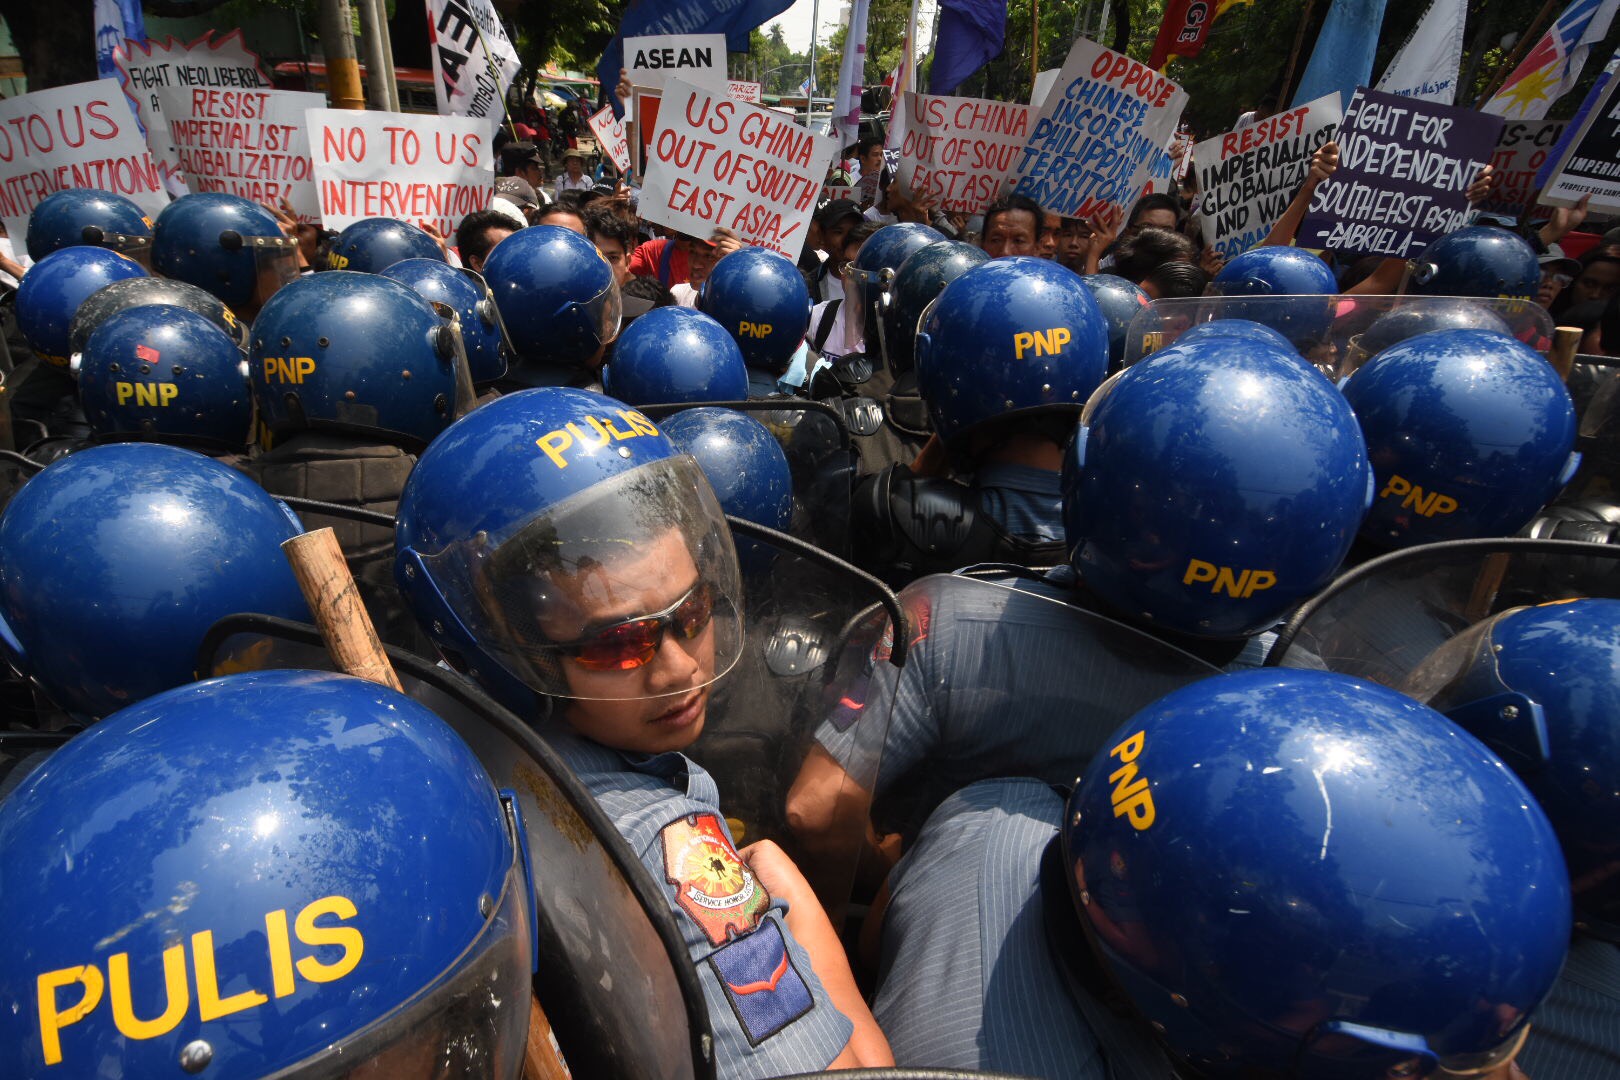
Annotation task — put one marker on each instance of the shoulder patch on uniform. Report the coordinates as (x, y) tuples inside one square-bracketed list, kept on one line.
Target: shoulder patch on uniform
[(765, 990), (712, 884)]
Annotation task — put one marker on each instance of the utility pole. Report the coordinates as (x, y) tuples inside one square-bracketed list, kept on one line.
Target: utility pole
[(337, 41), (371, 36)]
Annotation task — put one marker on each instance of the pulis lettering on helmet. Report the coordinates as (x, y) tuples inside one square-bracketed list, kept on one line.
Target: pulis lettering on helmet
[(1240, 584), (147, 393), (1413, 497), (283, 972), (288, 369), (753, 330), (554, 443), (1131, 797), (1043, 342)]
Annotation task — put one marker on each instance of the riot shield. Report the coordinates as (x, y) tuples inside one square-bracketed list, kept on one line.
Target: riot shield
[(1380, 620), (1337, 334), (1594, 386), (614, 980)]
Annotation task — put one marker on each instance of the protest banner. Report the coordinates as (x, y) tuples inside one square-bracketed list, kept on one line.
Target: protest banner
[(1044, 81), (145, 68), (1247, 178), (1520, 154), (473, 59), (644, 103), (401, 165), (1099, 133), (1405, 166), (1590, 165), (610, 136), (714, 161), (696, 59), (251, 143), (82, 135), (739, 90), (960, 150)]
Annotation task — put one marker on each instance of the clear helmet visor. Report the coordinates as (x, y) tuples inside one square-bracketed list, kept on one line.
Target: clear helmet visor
[(866, 299), (275, 263), (628, 590), (452, 349), (131, 246), (604, 312), (489, 314)]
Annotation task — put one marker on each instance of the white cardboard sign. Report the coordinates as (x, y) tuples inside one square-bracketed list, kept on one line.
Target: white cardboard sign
[(402, 165)]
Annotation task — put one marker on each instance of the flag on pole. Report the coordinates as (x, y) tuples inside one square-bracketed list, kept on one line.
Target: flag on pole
[(116, 20), (846, 113), (1185, 27), (1343, 57), (1554, 64), (970, 36), (1427, 65), (901, 81), (645, 17), (475, 62)]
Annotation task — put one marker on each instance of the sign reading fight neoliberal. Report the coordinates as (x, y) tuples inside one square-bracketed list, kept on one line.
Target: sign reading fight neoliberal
[(960, 150), (1099, 133), (1591, 163), (695, 59), (78, 136), (1405, 166), (251, 143), (1247, 178), (400, 165), (715, 161)]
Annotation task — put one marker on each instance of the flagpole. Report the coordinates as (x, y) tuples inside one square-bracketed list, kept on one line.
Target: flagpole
[(495, 74), (1531, 35), (810, 97), (1034, 42)]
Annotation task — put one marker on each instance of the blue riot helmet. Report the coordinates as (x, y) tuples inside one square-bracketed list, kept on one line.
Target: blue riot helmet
[(1297, 873), (742, 461), (144, 291), (293, 873), (1279, 271), (167, 375), (536, 534), (225, 244), (1014, 336), (357, 353), (1396, 326), (919, 279), (1480, 260), (1235, 328), (1470, 432), (50, 293), (1119, 301), (761, 299), (676, 354), (1213, 486), (115, 561), (88, 216), (1540, 686), (372, 245), (557, 296), (869, 277), (482, 332)]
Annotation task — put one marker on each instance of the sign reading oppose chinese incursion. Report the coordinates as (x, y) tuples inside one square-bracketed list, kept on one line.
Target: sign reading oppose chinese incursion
[(609, 131), (1405, 166), (1247, 178), (695, 59), (960, 150), (1520, 153), (1591, 163), (714, 161), (1099, 133), (251, 143), (78, 136), (416, 168)]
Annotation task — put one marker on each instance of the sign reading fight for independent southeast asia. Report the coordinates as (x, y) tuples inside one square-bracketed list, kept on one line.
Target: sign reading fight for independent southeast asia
[(960, 150), (695, 59), (400, 165)]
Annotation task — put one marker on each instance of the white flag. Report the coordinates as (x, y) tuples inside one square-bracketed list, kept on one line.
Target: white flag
[(473, 59), (846, 114), (1427, 65)]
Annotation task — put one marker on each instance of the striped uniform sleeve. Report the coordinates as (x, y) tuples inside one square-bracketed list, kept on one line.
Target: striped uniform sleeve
[(1575, 1034)]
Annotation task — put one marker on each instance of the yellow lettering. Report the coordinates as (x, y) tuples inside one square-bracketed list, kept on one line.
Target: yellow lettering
[(304, 365), (1021, 341), (584, 439), (145, 394), (638, 422), (1224, 579), (288, 369), (334, 261), (1130, 748), (1443, 504), (51, 1019), (176, 995), (554, 443), (346, 937), (1397, 486), (619, 436), (1131, 797), (1060, 338), (167, 392), (281, 963), (210, 1006), (1198, 570), (125, 391), (1262, 579)]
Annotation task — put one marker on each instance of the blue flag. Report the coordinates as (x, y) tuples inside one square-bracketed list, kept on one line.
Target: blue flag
[(970, 36), (1343, 58), (115, 21), (733, 18)]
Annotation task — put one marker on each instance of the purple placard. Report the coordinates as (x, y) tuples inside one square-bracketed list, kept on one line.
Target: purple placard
[(1404, 170)]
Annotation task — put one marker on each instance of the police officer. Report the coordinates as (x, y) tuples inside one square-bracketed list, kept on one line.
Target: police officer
[(559, 300), (372, 245), (75, 216), (489, 349), (227, 245), (675, 355), (761, 299)]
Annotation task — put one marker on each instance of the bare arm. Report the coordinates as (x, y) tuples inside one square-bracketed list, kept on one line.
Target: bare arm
[(1105, 227), (1323, 163)]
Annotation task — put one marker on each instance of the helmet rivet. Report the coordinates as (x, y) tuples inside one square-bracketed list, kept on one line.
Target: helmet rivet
[(1496, 648), (410, 572), (1510, 712), (348, 395), (1085, 897), (1075, 821), (178, 371), (438, 627), (486, 905), (406, 374), (322, 342), (1158, 1027), (286, 341), (624, 451), (1046, 388), (1177, 999), (195, 1056), (1010, 404), (441, 404), (706, 1046)]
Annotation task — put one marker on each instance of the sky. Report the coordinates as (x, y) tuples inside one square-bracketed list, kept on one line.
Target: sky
[(796, 21)]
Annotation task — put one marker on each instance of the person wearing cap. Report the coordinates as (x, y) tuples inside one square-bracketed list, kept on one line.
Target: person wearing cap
[(519, 193), (835, 220), (1557, 271), (575, 177), (523, 160)]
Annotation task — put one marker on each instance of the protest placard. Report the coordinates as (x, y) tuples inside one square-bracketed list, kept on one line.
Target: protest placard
[(401, 165), (1405, 166), (1591, 163), (82, 135), (714, 161), (745, 91), (146, 68), (1247, 178), (960, 150), (1520, 153), (473, 59), (695, 59), (644, 103), (1098, 134), (251, 143), (610, 136)]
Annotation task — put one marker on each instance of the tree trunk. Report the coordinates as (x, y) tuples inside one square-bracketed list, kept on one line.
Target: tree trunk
[(1122, 25), (55, 41)]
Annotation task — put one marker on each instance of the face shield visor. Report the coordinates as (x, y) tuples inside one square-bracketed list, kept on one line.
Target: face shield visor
[(451, 348), (491, 352), (865, 309), (130, 245), (627, 590), (275, 263)]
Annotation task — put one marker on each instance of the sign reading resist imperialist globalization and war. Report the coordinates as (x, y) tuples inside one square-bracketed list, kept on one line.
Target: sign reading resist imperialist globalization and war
[(1520, 153), (1591, 163), (695, 59), (611, 137), (1099, 133), (78, 136), (714, 161), (1247, 178), (1405, 166), (251, 143), (960, 150), (472, 57), (400, 165)]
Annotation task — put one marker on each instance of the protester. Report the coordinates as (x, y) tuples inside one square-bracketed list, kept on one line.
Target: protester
[(524, 161), (835, 219), (613, 236), (573, 178), (1012, 226), (478, 234), (564, 215)]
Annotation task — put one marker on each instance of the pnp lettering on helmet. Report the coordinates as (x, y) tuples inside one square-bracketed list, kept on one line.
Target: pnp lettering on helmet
[(1043, 342), (1131, 797), (1236, 583), (146, 393), (1413, 497), (288, 369)]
